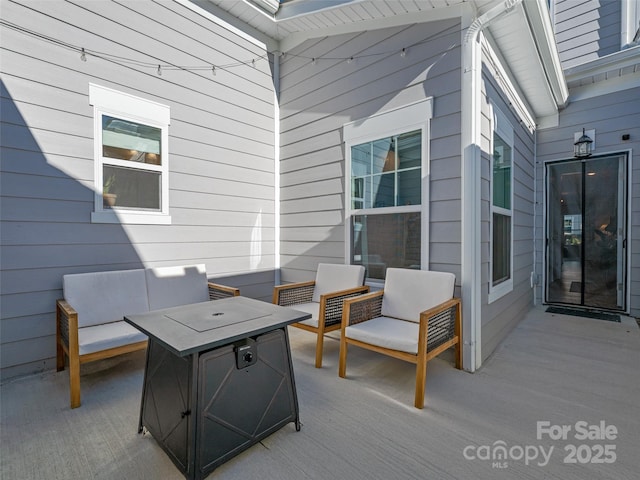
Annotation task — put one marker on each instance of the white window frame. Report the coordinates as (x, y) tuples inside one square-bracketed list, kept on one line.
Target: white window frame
[(106, 101), (630, 11), (412, 117), (501, 126)]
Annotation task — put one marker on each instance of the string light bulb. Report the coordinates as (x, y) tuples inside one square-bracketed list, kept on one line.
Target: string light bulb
[(213, 70), (403, 53), (159, 71), (83, 55), (350, 59)]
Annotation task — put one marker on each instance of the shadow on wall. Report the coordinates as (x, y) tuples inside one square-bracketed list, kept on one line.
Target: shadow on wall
[(46, 232)]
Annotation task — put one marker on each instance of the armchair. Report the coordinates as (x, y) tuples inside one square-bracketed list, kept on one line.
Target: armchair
[(322, 298), (414, 318)]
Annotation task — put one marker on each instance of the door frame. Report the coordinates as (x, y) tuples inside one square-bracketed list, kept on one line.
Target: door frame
[(627, 222)]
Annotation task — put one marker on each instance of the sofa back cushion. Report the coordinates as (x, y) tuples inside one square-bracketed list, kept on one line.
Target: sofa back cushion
[(409, 292), (103, 297), (173, 286), (331, 277)]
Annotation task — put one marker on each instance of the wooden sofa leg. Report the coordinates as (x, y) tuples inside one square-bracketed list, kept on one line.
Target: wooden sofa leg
[(421, 381), (74, 381), (319, 347)]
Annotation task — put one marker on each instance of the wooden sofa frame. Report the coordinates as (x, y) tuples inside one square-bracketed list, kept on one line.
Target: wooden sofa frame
[(67, 340)]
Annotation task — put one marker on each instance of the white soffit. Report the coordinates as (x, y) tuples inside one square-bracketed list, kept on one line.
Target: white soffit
[(523, 37), (529, 60)]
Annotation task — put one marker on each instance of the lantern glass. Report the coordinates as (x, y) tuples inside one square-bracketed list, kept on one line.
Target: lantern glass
[(582, 148)]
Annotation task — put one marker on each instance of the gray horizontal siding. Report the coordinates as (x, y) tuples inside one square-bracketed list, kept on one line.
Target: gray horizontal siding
[(317, 99), (611, 115), (503, 314), (221, 154), (586, 30)]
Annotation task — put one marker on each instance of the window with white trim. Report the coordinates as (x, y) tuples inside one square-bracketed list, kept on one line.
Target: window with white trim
[(501, 252), (387, 189), (131, 158)]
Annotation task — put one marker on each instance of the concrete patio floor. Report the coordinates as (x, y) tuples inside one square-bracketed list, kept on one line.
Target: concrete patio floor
[(553, 373)]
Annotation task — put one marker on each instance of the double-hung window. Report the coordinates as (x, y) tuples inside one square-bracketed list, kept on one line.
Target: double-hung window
[(131, 158), (501, 207), (387, 189)]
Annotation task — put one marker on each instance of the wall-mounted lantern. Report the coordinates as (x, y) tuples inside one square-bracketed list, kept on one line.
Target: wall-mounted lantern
[(582, 148)]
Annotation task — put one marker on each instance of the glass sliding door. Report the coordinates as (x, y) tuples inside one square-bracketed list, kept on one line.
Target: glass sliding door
[(586, 233)]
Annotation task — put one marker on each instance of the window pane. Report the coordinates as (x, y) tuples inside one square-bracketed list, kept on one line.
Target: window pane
[(381, 241), (384, 156), (501, 173), (357, 193), (361, 160), (409, 187), (131, 141), (383, 190), (410, 150), (130, 188), (501, 267)]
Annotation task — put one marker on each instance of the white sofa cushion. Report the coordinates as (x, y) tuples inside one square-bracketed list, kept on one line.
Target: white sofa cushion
[(409, 292), (387, 332), (313, 308), (109, 335), (332, 277), (173, 286), (102, 297)]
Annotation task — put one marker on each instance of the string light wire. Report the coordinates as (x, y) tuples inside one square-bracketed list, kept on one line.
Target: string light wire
[(213, 68)]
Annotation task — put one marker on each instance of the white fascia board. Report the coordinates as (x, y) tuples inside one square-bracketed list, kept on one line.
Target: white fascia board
[(291, 10), (269, 6), (539, 20), (425, 16), (516, 97), (622, 59)]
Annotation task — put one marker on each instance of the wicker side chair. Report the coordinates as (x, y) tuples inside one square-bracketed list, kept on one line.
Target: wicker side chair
[(322, 298), (414, 318)]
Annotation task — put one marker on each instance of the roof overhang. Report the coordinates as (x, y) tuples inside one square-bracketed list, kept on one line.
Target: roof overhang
[(523, 39)]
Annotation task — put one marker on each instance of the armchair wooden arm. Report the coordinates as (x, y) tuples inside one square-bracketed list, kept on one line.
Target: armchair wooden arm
[(67, 343), (440, 330), (362, 308), (331, 304), (217, 291), (66, 332), (293, 293)]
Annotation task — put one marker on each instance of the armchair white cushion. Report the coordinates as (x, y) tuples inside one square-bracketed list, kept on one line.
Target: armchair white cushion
[(409, 292), (331, 277)]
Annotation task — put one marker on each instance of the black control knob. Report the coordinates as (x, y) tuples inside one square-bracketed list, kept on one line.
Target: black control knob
[(248, 357)]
